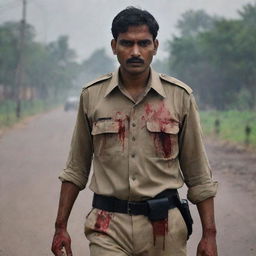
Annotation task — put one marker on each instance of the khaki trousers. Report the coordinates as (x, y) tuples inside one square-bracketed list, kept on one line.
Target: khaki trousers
[(116, 234)]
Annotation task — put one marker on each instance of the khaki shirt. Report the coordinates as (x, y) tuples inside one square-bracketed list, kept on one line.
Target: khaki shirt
[(139, 148)]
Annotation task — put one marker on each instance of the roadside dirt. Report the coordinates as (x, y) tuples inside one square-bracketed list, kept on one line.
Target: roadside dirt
[(32, 155), (234, 168), (235, 162)]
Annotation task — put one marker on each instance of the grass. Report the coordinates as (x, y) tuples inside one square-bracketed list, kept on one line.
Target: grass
[(232, 125), (28, 108)]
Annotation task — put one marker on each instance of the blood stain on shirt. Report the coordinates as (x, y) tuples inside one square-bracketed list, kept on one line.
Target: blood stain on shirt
[(163, 143), (103, 221), (121, 120), (161, 116), (148, 110)]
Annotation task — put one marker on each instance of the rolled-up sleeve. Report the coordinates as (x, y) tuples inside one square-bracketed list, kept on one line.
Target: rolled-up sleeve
[(80, 156), (193, 159)]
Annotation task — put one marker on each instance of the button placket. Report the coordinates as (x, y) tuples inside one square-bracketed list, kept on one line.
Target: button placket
[(132, 149)]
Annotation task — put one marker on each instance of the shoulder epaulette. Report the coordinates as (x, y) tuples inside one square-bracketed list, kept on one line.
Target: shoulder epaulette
[(97, 80), (175, 81)]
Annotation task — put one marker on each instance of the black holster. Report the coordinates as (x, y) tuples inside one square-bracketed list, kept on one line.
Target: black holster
[(185, 212), (159, 207)]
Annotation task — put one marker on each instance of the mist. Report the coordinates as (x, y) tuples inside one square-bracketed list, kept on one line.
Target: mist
[(88, 22), (67, 44)]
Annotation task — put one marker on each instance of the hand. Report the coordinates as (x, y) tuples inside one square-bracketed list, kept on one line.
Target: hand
[(207, 246), (61, 239)]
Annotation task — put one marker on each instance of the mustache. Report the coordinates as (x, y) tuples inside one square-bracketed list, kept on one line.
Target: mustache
[(135, 60)]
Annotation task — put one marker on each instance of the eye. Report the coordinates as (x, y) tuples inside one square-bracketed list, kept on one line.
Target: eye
[(144, 43), (126, 43)]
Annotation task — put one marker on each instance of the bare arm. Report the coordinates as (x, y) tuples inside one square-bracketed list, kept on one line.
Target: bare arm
[(207, 245), (61, 238)]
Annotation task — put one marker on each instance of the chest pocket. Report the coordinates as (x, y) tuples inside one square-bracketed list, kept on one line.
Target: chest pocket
[(108, 137), (164, 138)]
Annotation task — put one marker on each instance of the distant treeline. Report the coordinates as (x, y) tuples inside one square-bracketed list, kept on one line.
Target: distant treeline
[(49, 71), (217, 57)]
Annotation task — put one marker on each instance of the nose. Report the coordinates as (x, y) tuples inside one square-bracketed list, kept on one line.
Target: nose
[(135, 51)]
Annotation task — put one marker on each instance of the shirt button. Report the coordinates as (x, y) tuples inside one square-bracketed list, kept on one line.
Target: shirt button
[(133, 155), (133, 139), (133, 124)]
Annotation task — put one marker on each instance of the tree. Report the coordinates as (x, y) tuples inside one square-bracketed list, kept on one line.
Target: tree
[(194, 22), (246, 41), (48, 71), (9, 51), (219, 62), (248, 14), (61, 52), (97, 64)]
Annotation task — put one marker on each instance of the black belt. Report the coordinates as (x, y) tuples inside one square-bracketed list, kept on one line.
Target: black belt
[(113, 204)]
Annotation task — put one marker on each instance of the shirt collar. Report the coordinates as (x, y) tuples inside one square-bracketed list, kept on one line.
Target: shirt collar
[(113, 82), (154, 83)]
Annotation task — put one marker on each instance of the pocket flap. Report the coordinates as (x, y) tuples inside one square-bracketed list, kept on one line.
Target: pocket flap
[(163, 126), (106, 126)]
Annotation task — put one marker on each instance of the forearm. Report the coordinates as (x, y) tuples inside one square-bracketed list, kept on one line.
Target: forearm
[(68, 195), (206, 212)]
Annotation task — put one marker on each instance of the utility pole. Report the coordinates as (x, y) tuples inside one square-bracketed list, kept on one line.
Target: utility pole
[(20, 64)]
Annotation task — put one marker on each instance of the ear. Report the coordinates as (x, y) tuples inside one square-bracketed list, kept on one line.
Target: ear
[(156, 44), (113, 46)]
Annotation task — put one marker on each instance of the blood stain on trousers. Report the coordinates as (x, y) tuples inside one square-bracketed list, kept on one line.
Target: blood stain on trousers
[(103, 221)]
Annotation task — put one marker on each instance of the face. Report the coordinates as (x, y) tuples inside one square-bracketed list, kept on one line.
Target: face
[(135, 49)]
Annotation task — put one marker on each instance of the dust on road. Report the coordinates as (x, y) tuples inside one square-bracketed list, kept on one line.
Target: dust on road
[(32, 156)]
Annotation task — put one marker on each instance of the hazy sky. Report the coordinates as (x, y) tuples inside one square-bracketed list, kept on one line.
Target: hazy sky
[(88, 22)]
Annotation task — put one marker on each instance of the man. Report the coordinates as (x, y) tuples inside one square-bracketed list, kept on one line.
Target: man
[(142, 129)]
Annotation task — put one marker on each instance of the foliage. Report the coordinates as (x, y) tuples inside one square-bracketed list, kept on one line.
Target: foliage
[(9, 50), (194, 22), (50, 71), (217, 57), (97, 64)]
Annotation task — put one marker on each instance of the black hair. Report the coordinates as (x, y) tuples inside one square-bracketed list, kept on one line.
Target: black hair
[(132, 16)]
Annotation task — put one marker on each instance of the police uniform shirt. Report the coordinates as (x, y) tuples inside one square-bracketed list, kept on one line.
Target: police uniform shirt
[(141, 148)]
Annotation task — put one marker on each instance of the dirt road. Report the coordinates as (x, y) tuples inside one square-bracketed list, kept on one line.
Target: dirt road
[(32, 155)]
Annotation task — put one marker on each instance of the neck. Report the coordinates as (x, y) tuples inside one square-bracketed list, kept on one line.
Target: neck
[(132, 81)]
